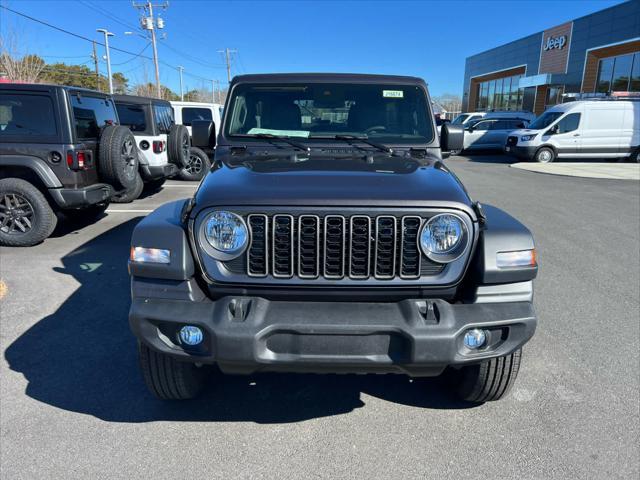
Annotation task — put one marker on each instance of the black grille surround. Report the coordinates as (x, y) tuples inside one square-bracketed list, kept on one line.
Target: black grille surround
[(316, 246)]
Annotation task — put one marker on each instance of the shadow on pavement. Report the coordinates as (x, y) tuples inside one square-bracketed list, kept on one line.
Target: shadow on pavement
[(82, 358), (489, 156)]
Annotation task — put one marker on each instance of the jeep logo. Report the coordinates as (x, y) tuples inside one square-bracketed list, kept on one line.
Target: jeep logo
[(555, 42)]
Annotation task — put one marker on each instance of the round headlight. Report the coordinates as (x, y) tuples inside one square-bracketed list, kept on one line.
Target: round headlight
[(444, 237), (227, 233)]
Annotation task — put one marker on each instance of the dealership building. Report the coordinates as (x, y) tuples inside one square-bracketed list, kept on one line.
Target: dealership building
[(598, 54)]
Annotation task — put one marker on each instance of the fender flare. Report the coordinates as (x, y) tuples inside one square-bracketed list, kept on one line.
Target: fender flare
[(36, 165)]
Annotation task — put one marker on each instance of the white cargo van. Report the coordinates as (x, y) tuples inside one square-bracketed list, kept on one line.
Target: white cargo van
[(604, 128), (186, 112)]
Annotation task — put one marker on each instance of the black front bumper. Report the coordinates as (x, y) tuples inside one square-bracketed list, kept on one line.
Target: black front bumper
[(521, 152), (81, 197), (247, 334)]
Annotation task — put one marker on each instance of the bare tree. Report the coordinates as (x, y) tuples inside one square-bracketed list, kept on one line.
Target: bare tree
[(24, 69), (449, 101)]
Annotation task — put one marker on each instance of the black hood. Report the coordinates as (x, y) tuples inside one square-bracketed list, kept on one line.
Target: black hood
[(330, 180)]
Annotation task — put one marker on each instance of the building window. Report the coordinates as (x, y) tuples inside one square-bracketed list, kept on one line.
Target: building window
[(554, 96), (500, 94), (619, 74)]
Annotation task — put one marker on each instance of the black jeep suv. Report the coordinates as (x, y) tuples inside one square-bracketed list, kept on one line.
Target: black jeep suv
[(330, 237), (61, 154)]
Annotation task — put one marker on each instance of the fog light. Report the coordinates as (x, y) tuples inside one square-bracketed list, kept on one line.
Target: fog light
[(474, 339), (190, 335)]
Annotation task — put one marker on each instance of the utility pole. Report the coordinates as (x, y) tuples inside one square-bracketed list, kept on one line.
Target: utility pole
[(96, 65), (180, 69), (150, 23), (107, 34), (228, 54)]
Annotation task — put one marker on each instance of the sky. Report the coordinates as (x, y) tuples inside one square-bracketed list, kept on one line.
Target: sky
[(428, 39)]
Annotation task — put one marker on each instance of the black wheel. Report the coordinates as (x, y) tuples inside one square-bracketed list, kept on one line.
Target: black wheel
[(128, 196), (154, 185), (168, 378), (118, 157), (635, 156), (26, 218), (197, 167), (545, 155), (178, 145), (488, 381)]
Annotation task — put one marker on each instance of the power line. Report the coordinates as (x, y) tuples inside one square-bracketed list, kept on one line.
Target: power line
[(86, 39), (133, 58), (108, 14)]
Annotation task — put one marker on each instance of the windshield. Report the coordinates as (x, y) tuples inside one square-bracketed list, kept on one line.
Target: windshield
[(544, 120), (459, 120), (386, 113)]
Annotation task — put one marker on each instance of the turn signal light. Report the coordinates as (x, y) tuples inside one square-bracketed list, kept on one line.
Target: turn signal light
[(150, 255), (520, 258)]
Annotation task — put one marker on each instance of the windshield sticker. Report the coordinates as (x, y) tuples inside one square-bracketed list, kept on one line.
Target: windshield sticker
[(283, 133), (393, 94)]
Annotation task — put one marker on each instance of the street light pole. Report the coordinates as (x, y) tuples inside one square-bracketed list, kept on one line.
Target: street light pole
[(107, 34), (155, 51), (180, 69)]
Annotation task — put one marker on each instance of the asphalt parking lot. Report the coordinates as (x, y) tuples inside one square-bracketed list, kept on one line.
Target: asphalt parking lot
[(73, 405)]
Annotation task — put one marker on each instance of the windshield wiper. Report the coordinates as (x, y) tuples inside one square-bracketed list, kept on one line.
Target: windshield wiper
[(269, 136), (358, 138)]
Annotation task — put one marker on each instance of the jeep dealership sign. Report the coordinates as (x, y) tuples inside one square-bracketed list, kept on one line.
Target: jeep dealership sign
[(554, 49), (555, 42)]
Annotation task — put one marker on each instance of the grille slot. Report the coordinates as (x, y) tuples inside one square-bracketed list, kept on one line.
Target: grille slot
[(258, 254), (360, 247), (385, 256), (410, 257), (283, 246), (333, 247), (308, 246), (335, 241)]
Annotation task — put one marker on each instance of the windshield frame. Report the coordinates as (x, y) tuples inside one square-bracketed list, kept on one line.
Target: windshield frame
[(226, 139)]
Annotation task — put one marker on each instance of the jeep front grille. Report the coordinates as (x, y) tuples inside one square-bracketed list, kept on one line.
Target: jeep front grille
[(333, 247)]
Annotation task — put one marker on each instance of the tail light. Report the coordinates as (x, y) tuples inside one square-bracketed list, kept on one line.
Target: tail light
[(79, 159), (158, 146)]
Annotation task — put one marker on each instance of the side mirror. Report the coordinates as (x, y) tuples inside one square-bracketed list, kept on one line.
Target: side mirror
[(553, 130), (203, 134), (451, 138)]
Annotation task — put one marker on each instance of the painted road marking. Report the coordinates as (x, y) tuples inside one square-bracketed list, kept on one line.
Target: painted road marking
[(3, 289), (128, 211)]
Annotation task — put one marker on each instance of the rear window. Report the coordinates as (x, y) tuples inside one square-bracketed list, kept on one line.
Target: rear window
[(164, 118), (189, 114), (132, 116), (27, 115), (91, 114)]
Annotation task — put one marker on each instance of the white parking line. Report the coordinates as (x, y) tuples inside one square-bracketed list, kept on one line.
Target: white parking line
[(108, 210)]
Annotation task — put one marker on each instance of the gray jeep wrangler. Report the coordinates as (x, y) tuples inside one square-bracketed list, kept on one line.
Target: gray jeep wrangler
[(329, 237)]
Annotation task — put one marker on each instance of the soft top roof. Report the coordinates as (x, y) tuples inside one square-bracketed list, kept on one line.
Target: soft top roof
[(327, 78), (139, 100)]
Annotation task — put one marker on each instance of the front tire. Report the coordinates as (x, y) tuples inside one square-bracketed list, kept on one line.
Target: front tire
[(545, 155), (168, 378), (26, 218), (197, 167), (488, 381)]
